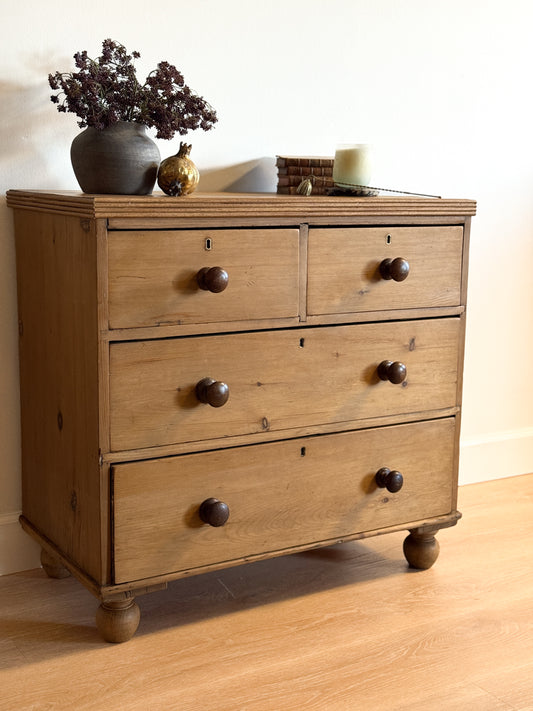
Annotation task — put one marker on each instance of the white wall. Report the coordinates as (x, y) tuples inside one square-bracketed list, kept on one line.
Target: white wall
[(442, 89)]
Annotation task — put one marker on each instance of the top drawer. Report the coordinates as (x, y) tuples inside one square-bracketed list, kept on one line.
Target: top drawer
[(152, 276), (344, 268)]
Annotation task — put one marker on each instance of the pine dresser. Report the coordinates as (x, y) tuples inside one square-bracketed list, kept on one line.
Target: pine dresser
[(216, 379)]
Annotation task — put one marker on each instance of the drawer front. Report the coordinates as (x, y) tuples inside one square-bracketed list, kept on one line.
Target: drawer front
[(152, 276), (280, 495), (344, 268), (278, 380)]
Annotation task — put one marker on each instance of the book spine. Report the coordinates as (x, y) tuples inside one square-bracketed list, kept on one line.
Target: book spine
[(293, 169), (304, 162)]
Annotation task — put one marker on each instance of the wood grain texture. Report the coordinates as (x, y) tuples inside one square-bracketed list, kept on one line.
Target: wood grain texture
[(152, 276), (344, 268), (278, 380), (325, 490), (178, 448), (335, 629), (56, 265), (234, 205)]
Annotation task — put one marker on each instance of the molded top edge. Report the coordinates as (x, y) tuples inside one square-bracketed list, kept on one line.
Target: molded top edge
[(233, 205)]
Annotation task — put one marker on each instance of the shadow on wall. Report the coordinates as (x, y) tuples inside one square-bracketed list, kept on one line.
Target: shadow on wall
[(255, 176), (28, 137), (21, 114)]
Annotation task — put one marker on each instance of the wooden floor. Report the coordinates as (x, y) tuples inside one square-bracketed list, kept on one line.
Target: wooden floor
[(347, 628)]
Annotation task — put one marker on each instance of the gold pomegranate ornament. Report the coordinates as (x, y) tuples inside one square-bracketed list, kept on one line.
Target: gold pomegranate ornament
[(178, 175)]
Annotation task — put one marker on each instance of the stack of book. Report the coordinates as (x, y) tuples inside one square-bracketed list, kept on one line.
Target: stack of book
[(293, 169)]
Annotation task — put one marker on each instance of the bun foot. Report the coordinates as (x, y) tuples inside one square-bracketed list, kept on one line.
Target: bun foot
[(52, 566), (421, 549), (117, 621)]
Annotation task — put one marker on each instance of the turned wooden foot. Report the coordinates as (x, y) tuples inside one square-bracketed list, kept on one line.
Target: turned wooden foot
[(52, 566), (117, 621), (421, 549)]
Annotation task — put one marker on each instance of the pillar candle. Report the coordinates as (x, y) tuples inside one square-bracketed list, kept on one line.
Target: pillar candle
[(352, 165)]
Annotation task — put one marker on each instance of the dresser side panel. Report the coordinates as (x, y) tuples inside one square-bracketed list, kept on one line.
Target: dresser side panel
[(58, 317), (461, 352)]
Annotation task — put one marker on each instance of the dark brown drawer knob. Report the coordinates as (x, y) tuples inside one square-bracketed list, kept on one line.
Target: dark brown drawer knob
[(213, 279), (390, 480), (214, 512), (395, 372), (212, 392), (396, 269)]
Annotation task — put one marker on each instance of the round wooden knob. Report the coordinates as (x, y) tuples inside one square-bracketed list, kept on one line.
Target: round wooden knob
[(213, 279), (390, 480), (212, 392), (395, 372), (396, 269), (214, 512)]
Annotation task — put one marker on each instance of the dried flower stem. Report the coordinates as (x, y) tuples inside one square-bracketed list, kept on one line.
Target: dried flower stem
[(106, 90)]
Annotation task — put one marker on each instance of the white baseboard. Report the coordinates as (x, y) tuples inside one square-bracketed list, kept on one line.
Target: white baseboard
[(490, 457), (496, 456), (17, 550)]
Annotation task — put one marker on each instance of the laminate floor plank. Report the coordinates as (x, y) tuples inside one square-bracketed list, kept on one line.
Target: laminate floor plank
[(345, 628)]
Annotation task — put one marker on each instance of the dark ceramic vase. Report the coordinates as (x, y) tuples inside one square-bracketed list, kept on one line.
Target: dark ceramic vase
[(121, 160)]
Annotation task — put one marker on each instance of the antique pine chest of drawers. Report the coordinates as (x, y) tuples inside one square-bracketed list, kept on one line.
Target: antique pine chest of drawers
[(212, 380)]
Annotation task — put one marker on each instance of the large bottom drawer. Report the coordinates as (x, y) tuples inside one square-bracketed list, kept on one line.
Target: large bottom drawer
[(280, 495)]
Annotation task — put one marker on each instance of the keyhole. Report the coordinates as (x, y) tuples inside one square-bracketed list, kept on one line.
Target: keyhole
[(388, 239), (208, 244)]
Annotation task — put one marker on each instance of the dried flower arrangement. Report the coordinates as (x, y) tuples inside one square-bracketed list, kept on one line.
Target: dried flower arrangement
[(106, 90)]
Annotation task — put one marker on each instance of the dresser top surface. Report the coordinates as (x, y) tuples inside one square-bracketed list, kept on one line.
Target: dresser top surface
[(234, 205)]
